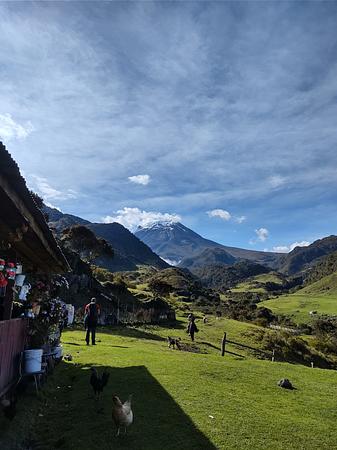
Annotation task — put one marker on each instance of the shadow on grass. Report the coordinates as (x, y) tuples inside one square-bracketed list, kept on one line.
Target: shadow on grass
[(208, 344), (177, 325), (129, 332), (72, 419), (72, 343)]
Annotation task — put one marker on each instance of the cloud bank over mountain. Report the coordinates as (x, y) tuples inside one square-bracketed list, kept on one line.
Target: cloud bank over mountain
[(185, 107)]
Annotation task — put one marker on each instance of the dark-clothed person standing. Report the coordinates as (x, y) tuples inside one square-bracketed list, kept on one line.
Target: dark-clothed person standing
[(191, 328), (92, 312)]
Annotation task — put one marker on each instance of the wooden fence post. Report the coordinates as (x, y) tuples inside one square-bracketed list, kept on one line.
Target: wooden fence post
[(273, 357), (8, 301), (223, 344)]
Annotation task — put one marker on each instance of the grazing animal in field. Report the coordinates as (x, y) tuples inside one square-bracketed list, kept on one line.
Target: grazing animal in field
[(97, 382), (285, 383), (173, 342), (122, 414)]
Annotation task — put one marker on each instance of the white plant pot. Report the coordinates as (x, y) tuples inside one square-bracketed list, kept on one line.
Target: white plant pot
[(33, 360), (57, 352), (19, 280)]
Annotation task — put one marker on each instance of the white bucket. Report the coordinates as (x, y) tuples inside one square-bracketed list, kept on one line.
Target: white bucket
[(57, 352), (20, 279), (71, 313), (33, 360)]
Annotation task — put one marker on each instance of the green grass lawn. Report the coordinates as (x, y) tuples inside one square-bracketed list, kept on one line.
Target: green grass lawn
[(298, 305), (182, 400)]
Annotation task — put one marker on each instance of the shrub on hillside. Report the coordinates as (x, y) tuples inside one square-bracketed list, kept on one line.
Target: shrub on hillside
[(326, 344), (160, 287), (255, 297), (292, 348), (247, 310), (102, 274), (325, 331), (118, 286), (325, 326)]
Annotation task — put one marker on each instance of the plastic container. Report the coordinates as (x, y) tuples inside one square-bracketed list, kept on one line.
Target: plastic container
[(33, 360), (71, 313), (58, 352), (19, 280)]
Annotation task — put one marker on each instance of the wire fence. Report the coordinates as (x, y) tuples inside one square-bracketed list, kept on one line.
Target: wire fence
[(224, 349)]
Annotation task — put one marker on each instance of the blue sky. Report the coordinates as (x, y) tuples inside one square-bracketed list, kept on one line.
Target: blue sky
[(222, 115)]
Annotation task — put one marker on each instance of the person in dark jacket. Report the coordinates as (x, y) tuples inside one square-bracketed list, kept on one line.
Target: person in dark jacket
[(191, 328), (92, 312)]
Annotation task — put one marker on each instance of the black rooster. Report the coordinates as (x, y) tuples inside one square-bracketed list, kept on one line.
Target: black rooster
[(9, 407), (98, 382)]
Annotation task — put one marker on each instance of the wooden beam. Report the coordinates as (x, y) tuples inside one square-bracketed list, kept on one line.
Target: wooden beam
[(8, 301)]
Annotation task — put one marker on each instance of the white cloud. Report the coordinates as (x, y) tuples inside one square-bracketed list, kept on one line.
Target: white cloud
[(155, 106), (221, 213), (47, 192), (53, 206), (281, 249), (132, 218), (140, 179), (240, 219), (299, 244), (9, 129), (262, 234), (276, 181), (289, 248), (225, 215)]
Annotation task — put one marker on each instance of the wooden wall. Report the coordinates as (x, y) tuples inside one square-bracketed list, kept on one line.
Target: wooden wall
[(12, 342)]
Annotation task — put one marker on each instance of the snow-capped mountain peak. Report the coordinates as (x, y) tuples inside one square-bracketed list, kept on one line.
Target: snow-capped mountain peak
[(170, 224)]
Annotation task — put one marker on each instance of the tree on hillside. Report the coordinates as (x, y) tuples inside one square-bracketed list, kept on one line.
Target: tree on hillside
[(160, 287)]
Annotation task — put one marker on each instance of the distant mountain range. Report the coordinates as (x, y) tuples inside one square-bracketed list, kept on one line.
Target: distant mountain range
[(60, 221), (129, 251), (208, 257), (180, 246), (225, 277), (304, 258), (128, 245)]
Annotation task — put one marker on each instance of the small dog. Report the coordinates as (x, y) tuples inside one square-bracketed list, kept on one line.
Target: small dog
[(172, 342)]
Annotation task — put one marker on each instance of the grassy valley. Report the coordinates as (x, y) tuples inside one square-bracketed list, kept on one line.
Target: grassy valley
[(260, 283), (181, 400), (319, 297)]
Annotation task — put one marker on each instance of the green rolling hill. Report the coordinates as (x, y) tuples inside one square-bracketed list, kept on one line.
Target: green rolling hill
[(320, 296)]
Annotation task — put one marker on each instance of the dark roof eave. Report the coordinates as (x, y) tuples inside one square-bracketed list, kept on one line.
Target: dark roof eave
[(15, 187)]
